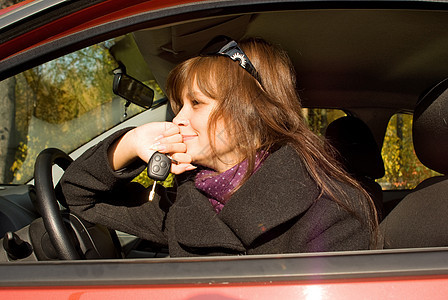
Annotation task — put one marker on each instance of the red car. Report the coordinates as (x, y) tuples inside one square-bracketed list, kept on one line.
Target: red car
[(62, 64)]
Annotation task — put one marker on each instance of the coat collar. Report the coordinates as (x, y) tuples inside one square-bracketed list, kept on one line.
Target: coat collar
[(282, 179), (287, 189), (197, 225)]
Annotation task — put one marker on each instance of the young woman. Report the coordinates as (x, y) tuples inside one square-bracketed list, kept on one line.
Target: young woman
[(254, 179)]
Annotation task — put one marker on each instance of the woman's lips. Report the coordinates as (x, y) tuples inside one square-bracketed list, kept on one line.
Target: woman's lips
[(188, 137)]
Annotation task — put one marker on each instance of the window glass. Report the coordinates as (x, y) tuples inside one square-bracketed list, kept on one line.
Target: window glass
[(63, 103), (403, 169), (319, 118)]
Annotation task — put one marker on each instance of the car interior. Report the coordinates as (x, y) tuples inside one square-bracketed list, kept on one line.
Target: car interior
[(367, 64), (408, 226)]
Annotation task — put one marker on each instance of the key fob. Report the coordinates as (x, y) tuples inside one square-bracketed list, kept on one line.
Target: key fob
[(159, 166)]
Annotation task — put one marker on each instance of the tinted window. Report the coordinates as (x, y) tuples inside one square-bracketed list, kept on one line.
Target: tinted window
[(403, 169), (319, 118)]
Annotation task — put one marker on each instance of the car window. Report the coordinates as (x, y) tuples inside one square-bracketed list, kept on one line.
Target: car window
[(319, 118), (403, 169), (63, 103)]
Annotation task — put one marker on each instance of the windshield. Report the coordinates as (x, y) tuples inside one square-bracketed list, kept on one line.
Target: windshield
[(63, 103)]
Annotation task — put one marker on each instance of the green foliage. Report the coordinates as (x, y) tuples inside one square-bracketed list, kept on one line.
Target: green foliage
[(66, 102), (403, 169), (55, 103), (318, 119), (69, 86), (19, 159), (144, 180)]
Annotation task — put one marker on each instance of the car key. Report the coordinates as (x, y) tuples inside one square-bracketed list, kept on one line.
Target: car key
[(159, 167)]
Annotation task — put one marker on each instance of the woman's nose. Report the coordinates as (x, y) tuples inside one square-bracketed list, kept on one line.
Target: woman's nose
[(180, 119), (182, 122)]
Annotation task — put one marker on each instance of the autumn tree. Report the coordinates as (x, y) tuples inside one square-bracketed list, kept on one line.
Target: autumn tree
[(8, 143)]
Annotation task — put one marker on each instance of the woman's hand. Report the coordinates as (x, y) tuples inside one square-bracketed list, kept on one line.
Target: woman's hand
[(170, 142), (143, 141)]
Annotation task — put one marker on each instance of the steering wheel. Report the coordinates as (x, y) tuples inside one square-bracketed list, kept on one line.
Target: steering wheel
[(47, 204)]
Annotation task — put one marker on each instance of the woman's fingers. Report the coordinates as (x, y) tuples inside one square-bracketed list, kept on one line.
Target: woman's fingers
[(180, 168), (169, 148), (169, 141), (181, 158), (137, 143), (170, 129), (181, 163), (175, 138), (146, 138)]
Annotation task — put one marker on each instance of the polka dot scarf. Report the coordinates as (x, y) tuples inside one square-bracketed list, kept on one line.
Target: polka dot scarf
[(218, 187)]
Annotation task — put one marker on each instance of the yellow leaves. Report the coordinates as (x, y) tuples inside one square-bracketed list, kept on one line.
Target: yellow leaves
[(403, 169), (16, 165), (318, 119), (145, 181), (19, 159)]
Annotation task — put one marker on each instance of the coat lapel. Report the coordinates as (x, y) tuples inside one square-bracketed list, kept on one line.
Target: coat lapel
[(279, 191), (197, 225)]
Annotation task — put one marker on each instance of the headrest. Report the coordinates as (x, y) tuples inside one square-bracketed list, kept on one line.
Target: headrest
[(353, 139), (430, 128)]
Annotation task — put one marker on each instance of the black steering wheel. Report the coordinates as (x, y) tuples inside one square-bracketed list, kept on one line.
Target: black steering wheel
[(47, 204)]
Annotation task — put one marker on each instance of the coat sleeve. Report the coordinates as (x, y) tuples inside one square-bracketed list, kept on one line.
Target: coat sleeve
[(98, 194)]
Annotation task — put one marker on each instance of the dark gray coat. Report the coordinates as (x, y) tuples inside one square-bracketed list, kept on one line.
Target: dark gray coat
[(275, 211)]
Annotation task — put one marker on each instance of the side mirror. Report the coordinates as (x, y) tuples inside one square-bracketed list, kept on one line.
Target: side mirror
[(132, 90)]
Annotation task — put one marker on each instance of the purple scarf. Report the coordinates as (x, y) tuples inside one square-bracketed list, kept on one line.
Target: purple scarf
[(218, 187)]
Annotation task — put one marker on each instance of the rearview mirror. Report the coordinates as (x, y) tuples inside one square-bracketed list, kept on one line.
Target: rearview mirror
[(133, 90)]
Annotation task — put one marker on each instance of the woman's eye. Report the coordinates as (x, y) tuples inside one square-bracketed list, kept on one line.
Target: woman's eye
[(195, 102)]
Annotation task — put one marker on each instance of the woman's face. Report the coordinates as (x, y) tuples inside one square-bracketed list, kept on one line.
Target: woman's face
[(193, 120)]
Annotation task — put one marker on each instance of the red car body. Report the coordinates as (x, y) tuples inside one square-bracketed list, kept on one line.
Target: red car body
[(361, 275), (382, 274), (390, 288)]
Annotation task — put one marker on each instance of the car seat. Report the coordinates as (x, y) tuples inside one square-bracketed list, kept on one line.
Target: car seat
[(420, 219), (359, 154)]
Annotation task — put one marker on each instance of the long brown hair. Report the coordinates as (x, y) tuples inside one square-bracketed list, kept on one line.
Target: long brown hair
[(267, 116)]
